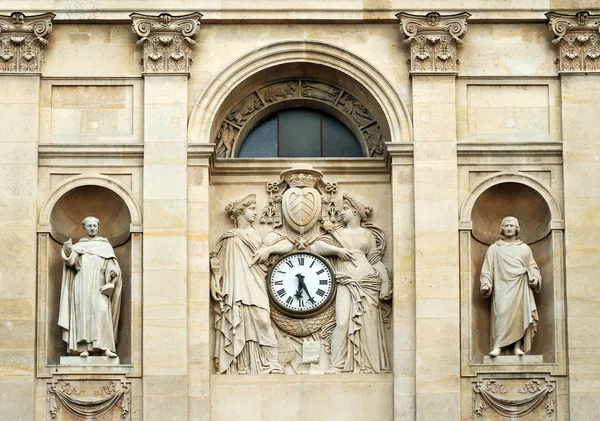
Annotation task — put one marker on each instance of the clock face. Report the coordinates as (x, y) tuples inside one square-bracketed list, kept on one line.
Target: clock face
[(301, 284)]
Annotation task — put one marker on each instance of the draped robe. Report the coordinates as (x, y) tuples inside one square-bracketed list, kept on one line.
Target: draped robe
[(358, 340), (506, 270), (245, 340), (88, 317)]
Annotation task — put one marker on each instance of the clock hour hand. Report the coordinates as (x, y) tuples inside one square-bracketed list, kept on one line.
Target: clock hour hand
[(303, 286)]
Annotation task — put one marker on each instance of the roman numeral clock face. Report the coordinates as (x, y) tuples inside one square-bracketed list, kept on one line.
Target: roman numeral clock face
[(301, 284)]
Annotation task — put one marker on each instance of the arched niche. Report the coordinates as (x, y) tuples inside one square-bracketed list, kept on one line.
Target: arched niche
[(60, 219), (523, 197)]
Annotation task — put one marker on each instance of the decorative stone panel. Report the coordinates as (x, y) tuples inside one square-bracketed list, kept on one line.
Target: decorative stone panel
[(22, 41), (244, 114), (433, 40), (167, 41), (578, 40)]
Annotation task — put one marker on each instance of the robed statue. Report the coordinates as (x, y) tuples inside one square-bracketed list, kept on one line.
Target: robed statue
[(510, 276), (90, 298)]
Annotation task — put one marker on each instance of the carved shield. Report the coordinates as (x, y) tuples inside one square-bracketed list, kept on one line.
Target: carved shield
[(301, 208)]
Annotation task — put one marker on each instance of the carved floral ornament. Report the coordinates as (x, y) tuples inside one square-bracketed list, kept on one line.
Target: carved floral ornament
[(167, 41), (578, 40), (22, 41), (88, 403), (238, 118), (433, 40), (514, 401)]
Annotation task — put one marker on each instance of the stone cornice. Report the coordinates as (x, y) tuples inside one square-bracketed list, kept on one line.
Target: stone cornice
[(167, 41), (578, 40), (433, 40), (22, 41)]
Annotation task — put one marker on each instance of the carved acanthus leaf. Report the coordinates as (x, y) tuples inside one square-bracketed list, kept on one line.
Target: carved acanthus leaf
[(167, 41), (22, 41), (433, 39), (578, 41)]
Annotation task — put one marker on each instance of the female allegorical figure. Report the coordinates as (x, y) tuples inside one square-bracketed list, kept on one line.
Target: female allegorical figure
[(245, 341), (358, 341)]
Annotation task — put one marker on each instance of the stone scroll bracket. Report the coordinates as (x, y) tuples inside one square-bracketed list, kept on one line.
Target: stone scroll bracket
[(167, 41), (578, 40), (22, 41), (433, 40)]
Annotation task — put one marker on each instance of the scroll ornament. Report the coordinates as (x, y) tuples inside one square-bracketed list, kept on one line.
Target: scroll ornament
[(167, 41), (578, 40), (22, 41), (433, 40), (68, 396), (487, 394)]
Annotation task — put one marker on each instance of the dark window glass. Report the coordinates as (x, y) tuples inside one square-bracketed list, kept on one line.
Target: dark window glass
[(300, 133)]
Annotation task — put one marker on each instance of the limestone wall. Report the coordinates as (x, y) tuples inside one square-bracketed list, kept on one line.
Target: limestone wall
[(473, 122)]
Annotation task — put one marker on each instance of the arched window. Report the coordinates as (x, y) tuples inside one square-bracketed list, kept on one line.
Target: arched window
[(300, 133)]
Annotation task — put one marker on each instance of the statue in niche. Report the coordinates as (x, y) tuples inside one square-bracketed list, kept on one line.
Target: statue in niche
[(245, 341), (356, 249), (90, 298), (510, 276)]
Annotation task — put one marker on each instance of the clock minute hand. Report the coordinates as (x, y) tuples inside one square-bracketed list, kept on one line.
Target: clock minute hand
[(303, 286)]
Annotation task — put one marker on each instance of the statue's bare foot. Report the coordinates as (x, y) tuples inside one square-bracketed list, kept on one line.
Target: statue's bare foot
[(518, 352), (84, 354), (495, 352), (108, 353)]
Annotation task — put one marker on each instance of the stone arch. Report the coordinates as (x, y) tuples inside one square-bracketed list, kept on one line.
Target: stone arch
[(211, 106), (100, 181)]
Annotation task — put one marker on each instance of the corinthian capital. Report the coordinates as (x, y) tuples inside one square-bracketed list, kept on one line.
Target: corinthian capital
[(22, 41), (433, 40), (167, 40), (578, 40)]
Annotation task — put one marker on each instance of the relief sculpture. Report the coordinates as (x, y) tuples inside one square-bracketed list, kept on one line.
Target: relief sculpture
[(309, 280), (509, 276)]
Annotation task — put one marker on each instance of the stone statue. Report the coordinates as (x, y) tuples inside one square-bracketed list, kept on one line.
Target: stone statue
[(245, 339), (510, 275), (356, 249), (90, 298)]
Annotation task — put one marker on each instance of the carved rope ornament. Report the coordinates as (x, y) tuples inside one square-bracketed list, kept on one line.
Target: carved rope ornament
[(433, 40), (240, 118), (22, 41), (578, 40), (167, 41)]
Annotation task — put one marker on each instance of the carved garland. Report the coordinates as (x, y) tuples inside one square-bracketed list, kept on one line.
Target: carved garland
[(486, 395), (578, 40), (72, 398), (333, 96), (22, 41)]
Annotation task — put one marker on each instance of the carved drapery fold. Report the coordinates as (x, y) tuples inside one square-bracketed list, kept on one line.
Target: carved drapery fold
[(22, 41), (72, 398), (433, 40), (167, 41), (354, 111), (578, 40), (488, 394)]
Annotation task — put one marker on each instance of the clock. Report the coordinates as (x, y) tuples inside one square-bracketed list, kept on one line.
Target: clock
[(301, 284)]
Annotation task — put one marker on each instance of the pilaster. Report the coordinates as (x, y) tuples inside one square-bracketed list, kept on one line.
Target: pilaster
[(579, 64), (22, 39), (433, 41), (167, 55)]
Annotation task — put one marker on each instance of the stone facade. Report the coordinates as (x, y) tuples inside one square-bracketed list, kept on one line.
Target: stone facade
[(134, 111)]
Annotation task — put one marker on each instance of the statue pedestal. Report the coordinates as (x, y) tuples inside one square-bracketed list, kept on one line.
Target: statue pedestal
[(89, 361), (513, 359)]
